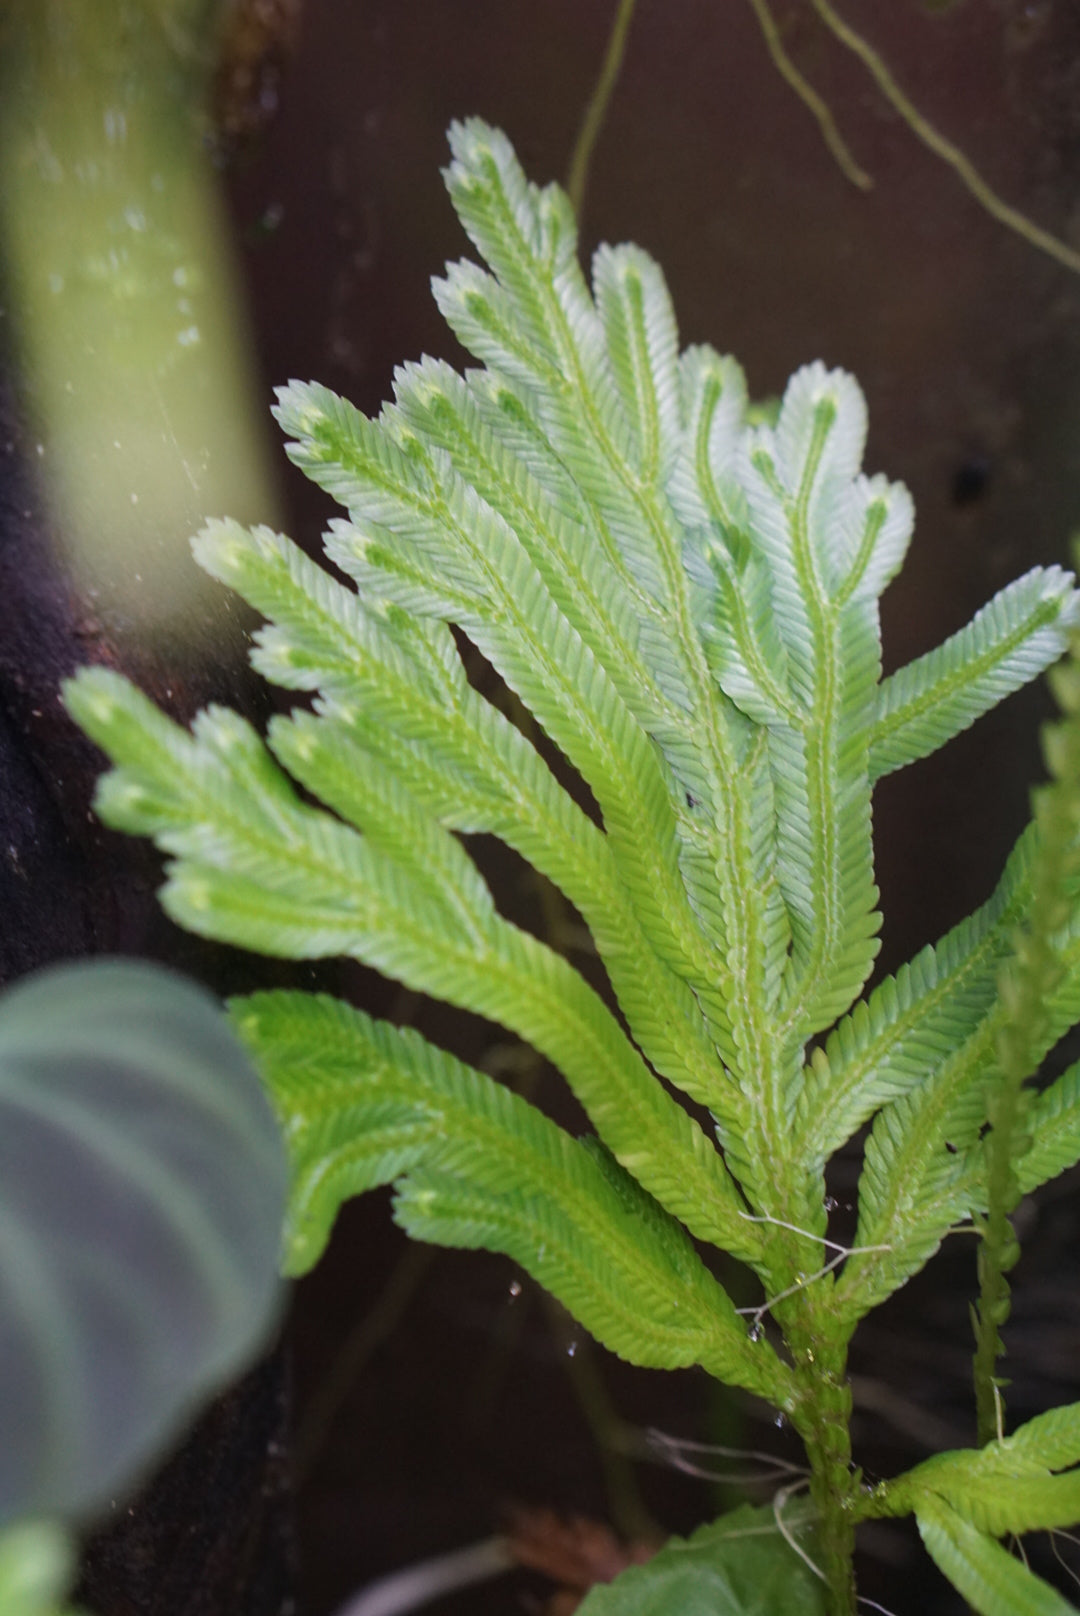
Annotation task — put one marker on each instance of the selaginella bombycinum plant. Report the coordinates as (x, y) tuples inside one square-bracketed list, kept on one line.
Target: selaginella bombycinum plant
[(686, 601)]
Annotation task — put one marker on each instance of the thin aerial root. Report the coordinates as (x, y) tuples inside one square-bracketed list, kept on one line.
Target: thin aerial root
[(925, 131), (779, 1223), (814, 103), (732, 1478), (872, 1604), (842, 1253), (757, 1314), (1059, 1557), (656, 1438), (671, 1450), (778, 1503), (596, 110)]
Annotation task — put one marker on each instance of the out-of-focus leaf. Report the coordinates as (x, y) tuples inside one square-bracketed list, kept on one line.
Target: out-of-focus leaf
[(142, 1189), (37, 1566), (741, 1564)]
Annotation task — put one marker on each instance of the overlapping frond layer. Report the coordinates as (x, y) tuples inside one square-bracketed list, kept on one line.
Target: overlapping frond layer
[(924, 1161), (422, 537), (898, 1038), (364, 1103), (256, 867), (600, 382), (393, 687)]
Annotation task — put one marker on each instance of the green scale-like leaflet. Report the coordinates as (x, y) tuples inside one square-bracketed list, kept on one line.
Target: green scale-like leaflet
[(685, 600)]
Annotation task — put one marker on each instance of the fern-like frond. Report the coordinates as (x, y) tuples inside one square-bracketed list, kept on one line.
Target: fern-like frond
[(600, 382), (257, 868), (1008, 643), (365, 1103), (1050, 1441), (681, 591)]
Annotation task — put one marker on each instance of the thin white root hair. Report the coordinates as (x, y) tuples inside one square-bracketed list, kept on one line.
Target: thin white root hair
[(1059, 1557), (779, 1500), (740, 1478), (842, 1254), (793, 1228), (663, 1439)]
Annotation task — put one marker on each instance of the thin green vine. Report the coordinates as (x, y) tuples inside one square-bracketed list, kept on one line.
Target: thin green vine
[(596, 110)]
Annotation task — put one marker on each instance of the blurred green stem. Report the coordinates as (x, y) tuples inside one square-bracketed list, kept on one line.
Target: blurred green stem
[(129, 330)]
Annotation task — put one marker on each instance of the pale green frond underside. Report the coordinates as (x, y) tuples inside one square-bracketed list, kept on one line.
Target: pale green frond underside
[(828, 541), (365, 1103), (1008, 643), (424, 538)]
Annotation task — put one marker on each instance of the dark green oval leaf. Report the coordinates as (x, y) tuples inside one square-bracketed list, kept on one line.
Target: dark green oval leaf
[(142, 1188)]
